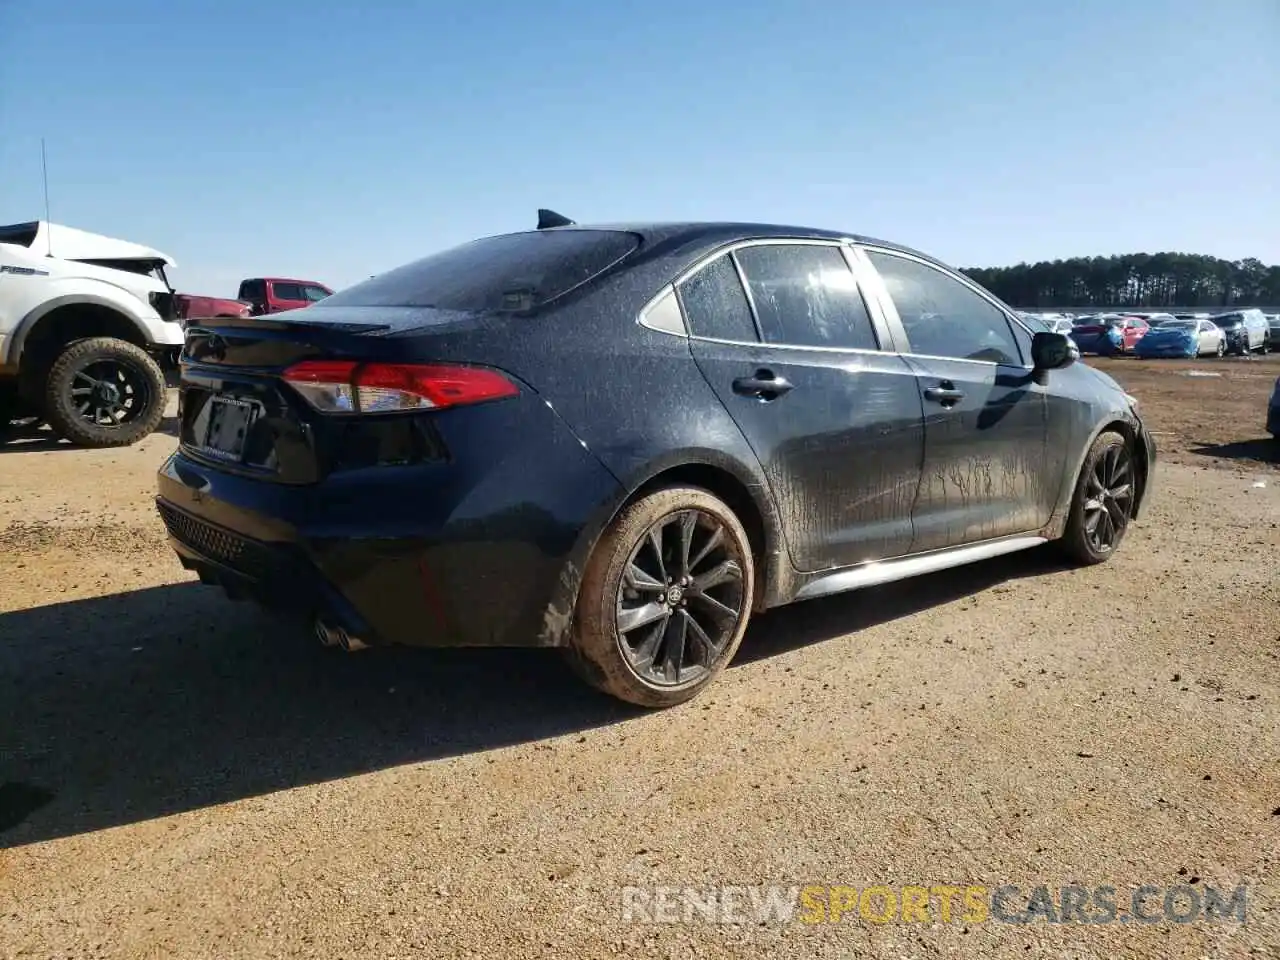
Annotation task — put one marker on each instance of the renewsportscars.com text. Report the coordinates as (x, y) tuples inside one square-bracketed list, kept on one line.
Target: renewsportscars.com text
[(934, 903)]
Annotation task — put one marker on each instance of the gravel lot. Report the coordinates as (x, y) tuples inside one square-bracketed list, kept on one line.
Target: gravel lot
[(183, 777)]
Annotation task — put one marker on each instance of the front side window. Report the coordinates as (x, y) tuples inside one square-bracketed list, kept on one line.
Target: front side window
[(315, 294), (805, 295), (941, 316), (715, 304)]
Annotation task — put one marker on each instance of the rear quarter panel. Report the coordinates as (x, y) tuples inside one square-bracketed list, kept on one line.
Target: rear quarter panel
[(633, 396)]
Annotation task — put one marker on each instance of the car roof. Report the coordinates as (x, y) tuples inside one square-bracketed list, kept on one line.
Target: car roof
[(715, 232)]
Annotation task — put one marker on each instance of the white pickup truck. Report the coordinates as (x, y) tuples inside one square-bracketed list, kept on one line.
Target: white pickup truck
[(87, 326)]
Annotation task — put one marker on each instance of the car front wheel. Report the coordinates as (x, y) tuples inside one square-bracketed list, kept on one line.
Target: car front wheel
[(1103, 502), (665, 598)]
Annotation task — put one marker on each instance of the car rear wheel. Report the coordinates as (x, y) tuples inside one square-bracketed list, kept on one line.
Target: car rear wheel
[(104, 392), (1103, 502), (665, 599)]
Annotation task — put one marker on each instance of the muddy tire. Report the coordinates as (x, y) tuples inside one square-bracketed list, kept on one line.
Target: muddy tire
[(665, 599), (1102, 504), (103, 392)]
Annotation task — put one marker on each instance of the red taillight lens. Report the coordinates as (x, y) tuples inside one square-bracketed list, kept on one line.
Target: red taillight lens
[(344, 386)]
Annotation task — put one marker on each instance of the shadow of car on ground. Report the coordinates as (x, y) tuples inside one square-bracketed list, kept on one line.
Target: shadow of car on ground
[(1265, 450), (34, 438), (138, 705)]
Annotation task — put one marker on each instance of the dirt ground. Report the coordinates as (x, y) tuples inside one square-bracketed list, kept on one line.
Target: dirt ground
[(1211, 408), (184, 777)]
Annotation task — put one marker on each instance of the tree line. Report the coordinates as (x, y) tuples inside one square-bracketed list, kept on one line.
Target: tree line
[(1134, 280)]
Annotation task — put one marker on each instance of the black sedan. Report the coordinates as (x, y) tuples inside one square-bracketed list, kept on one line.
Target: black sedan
[(622, 440)]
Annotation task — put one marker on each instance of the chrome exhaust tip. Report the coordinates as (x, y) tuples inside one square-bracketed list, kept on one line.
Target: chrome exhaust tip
[(334, 635), (348, 642), (326, 634)]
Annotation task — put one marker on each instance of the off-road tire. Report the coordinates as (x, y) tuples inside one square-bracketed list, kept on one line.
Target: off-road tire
[(1075, 542), (65, 419), (594, 652)]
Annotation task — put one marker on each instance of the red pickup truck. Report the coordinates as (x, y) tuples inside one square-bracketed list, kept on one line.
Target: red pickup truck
[(257, 296), (191, 307), (273, 294)]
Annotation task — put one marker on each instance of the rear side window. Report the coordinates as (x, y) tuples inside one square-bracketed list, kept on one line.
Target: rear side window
[(286, 291), (806, 296), (715, 304), (517, 271)]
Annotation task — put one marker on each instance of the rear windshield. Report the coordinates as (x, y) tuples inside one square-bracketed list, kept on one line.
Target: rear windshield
[(517, 271)]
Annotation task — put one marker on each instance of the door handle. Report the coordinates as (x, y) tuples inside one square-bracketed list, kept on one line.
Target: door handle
[(763, 385), (945, 394)]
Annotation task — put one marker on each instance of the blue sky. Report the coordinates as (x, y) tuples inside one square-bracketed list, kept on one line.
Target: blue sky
[(333, 141)]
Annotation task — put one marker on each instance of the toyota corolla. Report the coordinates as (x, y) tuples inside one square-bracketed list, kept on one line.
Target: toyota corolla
[(623, 440)]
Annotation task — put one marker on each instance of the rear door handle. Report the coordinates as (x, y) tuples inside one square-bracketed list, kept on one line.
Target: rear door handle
[(763, 385), (946, 395)]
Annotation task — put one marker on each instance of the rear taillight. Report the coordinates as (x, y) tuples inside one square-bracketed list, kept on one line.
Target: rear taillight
[(343, 386)]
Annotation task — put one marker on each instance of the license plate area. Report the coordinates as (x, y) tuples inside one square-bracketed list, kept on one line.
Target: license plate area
[(229, 422)]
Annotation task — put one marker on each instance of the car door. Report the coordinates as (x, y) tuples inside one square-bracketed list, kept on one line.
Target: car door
[(989, 468), (287, 296), (783, 335)]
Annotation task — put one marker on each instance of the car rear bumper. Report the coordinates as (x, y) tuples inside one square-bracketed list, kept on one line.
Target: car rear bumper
[(406, 555)]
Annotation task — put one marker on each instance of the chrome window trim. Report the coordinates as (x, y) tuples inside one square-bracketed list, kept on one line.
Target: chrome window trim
[(788, 346), (746, 290), (891, 309), (654, 302), (879, 326)]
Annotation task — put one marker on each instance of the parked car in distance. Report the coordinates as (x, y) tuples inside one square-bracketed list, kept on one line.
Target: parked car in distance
[(1108, 333), (1153, 319), (621, 441), (1055, 323), (191, 307), (276, 294), (1273, 323), (1181, 338), (1245, 330), (1037, 323)]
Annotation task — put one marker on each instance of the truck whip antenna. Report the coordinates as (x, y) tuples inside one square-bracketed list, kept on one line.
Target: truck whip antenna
[(44, 173)]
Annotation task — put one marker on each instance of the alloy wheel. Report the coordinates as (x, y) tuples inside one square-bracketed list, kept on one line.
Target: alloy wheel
[(109, 393), (1109, 499), (680, 599)]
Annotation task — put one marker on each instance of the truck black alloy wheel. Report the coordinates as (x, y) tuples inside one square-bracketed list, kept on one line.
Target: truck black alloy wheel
[(104, 392)]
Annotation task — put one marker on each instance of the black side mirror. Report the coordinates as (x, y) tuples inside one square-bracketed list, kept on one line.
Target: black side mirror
[(1053, 351)]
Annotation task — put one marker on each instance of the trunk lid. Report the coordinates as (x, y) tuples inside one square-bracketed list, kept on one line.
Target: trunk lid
[(237, 413)]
